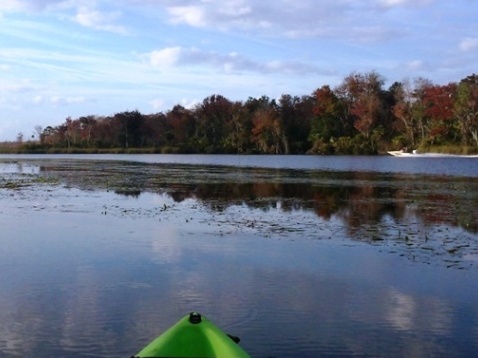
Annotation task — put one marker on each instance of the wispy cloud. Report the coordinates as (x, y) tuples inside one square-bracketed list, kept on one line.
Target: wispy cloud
[(231, 62), (10, 5), (415, 66), (149, 54), (190, 15), (87, 13), (292, 19), (404, 3), (21, 85), (62, 101), (98, 20), (469, 44)]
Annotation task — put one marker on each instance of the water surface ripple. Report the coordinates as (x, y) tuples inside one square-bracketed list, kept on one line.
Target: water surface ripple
[(349, 257)]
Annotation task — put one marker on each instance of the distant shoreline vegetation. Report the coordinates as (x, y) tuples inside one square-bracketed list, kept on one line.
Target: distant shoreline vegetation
[(357, 117)]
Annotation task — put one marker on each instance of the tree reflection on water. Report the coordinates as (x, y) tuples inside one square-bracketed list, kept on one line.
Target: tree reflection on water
[(108, 244), (436, 214)]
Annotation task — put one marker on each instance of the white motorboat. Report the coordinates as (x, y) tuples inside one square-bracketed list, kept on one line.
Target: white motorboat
[(415, 154)]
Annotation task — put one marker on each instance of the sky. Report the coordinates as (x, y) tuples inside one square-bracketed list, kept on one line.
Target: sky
[(73, 58)]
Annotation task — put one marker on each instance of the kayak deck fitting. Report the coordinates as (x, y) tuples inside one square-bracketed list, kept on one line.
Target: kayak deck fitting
[(193, 336)]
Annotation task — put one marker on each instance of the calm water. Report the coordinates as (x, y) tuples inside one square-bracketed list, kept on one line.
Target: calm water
[(298, 256)]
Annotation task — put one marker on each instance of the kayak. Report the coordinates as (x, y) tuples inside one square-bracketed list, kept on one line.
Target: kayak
[(193, 336)]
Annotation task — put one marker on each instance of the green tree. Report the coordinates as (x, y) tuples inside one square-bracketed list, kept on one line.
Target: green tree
[(128, 128), (238, 131), (327, 122), (212, 116), (466, 110), (402, 111)]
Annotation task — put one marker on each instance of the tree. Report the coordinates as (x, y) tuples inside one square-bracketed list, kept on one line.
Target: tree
[(129, 128), (438, 102), (86, 125), (294, 117), (181, 126), (38, 132), (268, 132), (155, 130), (363, 94), (466, 109), (327, 121), (238, 130), (213, 115), (419, 107), (402, 110), (20, 138)]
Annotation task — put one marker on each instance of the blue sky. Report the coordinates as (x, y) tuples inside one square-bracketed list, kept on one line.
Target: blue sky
[(61, 58)]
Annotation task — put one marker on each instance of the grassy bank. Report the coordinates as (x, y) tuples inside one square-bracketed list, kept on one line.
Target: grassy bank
[(43, 150), (448, 149)]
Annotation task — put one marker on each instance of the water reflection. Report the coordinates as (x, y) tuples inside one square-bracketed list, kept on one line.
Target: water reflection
[(104, 259), (427, 216)]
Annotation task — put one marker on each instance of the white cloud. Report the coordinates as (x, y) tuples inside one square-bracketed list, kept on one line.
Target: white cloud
[(11, 5), (157, 104), (416, 66), (189, 104), (288, 18), (167, 57), (64, 101), (86, 12), (37, 99), (232, 62), (402, 311), (191, 15), (396, 3), (17, 86), (33, 5), (90, 17), (277, 18), (469, 44)]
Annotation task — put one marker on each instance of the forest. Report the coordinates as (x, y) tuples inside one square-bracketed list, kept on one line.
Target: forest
[(358, 116)]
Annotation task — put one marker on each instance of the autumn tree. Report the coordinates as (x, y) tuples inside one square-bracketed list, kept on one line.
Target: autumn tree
[(360, 92), (438, 102), (357, 117), (86, 125), (105, 134), (268, 129), (328, 120), (466, 109), (181, 126)]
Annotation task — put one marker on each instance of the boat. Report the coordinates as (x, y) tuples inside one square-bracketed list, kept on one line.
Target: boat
[(193, 336), (401, 153), (415, 154)]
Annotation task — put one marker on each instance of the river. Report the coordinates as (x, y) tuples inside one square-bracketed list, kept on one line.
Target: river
[(299, 256)]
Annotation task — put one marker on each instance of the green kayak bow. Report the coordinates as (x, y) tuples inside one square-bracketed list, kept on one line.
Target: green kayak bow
[(193, 336)]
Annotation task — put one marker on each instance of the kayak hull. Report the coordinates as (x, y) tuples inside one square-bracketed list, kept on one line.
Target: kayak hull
[(193, 336)]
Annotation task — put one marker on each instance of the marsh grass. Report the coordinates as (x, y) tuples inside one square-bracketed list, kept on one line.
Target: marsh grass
[(449, 149)]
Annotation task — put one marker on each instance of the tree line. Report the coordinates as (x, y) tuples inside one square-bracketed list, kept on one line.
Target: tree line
[(358, 116)]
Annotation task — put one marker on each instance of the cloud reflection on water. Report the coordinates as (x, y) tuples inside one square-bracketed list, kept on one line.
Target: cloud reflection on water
[(291, 262)]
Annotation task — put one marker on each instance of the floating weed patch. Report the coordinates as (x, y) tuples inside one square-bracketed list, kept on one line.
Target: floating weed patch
[(45, 180), (19, 181), (12, 185), (427, 219)]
